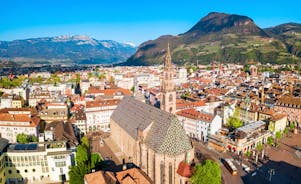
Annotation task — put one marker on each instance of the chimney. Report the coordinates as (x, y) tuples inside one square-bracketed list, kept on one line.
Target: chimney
[(124, 166)]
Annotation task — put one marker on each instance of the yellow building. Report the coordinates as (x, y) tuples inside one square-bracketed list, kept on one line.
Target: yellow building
[(277, 123)]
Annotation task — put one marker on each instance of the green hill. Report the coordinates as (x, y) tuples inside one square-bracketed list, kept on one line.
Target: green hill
[(221, 37)]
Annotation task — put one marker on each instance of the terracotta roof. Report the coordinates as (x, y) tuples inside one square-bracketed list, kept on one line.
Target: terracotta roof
[(110, 92), (33, 121), (133, 175), (102, 103), (130, 176), (100, 177), (6, 110), (184, 170), (278, 116), (289, 101), (182, 104), (197, 115), (63, 131)]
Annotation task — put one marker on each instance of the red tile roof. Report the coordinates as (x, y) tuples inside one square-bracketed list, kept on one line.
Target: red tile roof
[(102, 103), (33, 121), (129, 176), (182, 104), (278, 116), (184, 170), (110, 92), (194, 114)]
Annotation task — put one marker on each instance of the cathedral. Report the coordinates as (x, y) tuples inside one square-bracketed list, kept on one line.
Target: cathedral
[(153, 138)]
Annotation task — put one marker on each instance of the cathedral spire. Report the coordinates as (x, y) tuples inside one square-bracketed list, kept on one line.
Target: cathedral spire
[(167, 61), (168, 97)]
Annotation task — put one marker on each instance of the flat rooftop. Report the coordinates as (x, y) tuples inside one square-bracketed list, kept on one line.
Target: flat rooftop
[(249, 128)]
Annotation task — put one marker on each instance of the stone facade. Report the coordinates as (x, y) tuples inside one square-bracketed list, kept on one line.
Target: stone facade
[(168, 97)]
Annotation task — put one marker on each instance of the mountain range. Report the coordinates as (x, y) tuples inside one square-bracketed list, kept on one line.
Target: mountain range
[(77, 49), (220, 37), (226, 38)]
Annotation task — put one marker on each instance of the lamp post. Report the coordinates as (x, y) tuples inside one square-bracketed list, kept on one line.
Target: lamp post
[(271, 172)]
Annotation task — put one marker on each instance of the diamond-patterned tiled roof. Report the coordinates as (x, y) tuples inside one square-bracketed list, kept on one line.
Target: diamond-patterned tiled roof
[(166, 135)]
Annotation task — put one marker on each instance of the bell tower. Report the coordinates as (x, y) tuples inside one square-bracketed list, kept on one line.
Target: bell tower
[(168, 97)]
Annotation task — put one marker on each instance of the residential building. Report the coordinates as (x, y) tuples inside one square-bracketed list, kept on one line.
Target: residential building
[(199, 125), (17, 102), (277, 122), (6, 101), (291, 106), (80, 122), (54, 112), (46, 162), (246, 138), (12, 124), (98, 114)]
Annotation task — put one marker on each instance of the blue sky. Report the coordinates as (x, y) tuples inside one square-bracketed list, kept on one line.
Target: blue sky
[(129, 20)]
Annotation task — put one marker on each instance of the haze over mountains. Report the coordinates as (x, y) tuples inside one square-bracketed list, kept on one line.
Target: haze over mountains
[(77, 49), (228, 38)]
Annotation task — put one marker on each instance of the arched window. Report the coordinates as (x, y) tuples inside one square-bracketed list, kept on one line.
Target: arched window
[(162, 171), (170, 109), (170, 97)]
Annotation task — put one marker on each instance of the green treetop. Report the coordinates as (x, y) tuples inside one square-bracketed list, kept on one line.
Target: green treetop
[(207, 172)]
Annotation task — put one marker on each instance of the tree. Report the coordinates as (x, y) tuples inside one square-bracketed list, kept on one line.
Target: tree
[(133, 89), (259, 148), (234, 122), (85, 142), (33, 139), (248, 154), (102, 76), (207, 172), (278, 135), (95, 159), (270, 141), (292, 125), (77, 173), (22, 138), (85, 161), (81, 154), (285, 131), (77, 78)]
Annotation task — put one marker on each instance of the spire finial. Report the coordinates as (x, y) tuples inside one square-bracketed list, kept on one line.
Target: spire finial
[(167, 61)]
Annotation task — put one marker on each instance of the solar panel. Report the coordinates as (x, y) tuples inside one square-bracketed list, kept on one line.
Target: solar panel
[(25, 146)]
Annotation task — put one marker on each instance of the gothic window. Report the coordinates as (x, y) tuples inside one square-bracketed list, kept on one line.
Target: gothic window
[(170, 98), (170, 173), (154, 169), (162, 171), (170, 109)]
